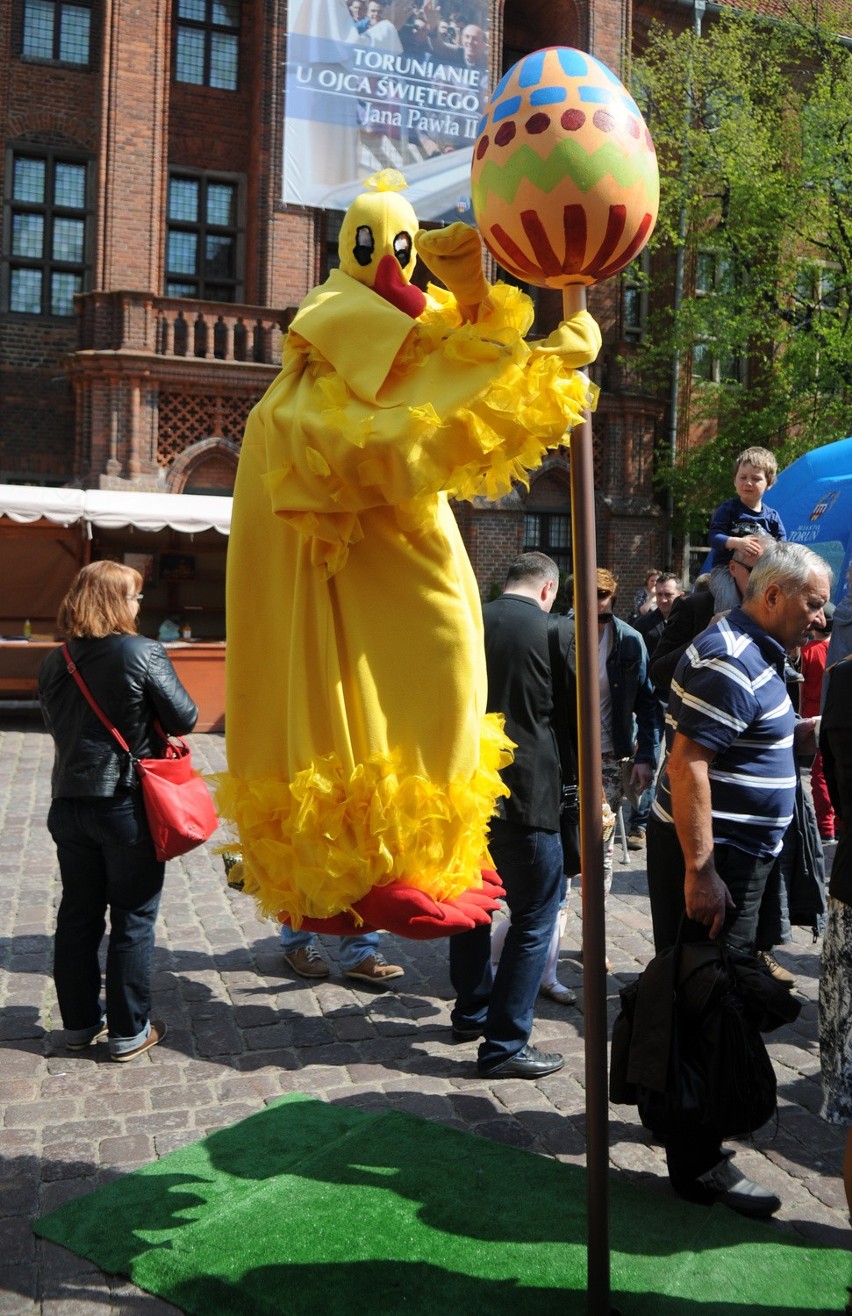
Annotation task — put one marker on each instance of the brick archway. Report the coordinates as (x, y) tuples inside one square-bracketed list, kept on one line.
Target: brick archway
[(206, 467)]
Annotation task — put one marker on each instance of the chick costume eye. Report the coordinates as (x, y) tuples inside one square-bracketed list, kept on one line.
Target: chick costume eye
[(365, 245), (402, 248)]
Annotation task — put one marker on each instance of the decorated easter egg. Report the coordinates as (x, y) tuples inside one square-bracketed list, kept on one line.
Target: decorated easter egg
[(564, 184)]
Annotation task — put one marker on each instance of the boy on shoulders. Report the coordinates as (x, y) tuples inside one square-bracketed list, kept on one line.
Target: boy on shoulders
[(743, 524)]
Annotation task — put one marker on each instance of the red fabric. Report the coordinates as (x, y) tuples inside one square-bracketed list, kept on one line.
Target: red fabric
[(407, 912), (813, 667), (826, 821)]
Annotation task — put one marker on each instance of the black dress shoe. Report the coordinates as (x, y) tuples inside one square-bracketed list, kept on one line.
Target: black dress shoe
[(466, 1034), (526, 1063), (730, 1187)]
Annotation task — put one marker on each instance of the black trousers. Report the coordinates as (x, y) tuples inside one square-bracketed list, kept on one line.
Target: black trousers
[(745, 877)]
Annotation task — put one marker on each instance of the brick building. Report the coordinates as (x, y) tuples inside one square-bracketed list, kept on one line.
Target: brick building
[(150, 266)]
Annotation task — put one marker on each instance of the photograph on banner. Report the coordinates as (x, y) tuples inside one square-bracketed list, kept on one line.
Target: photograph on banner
[(372, 85)]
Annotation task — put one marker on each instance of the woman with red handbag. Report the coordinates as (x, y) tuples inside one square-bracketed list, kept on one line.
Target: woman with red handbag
[(97, 819)]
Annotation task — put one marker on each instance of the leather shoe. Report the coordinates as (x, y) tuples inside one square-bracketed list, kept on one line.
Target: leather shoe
[(466, 1034), (307, 962), (374, 969), (558, 992), (778, 972), (728, 1186), (526, 1063), (100, 1036), (156, 1034)]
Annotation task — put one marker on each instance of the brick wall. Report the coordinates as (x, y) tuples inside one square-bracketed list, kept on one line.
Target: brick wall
[(137, 121), (36, 402)]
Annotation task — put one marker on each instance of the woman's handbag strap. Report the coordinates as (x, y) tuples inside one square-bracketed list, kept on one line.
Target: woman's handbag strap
[(93, 704)]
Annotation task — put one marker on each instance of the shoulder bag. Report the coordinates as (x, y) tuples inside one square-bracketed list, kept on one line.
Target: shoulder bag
[(178, 804)]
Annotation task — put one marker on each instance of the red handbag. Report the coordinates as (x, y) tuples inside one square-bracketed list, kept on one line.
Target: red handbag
[(178, 804)]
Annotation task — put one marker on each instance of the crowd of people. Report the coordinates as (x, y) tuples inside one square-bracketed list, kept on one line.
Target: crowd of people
[(451, 32), (710, 707)]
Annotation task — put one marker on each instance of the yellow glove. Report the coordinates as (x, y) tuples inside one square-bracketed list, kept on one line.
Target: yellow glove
[(577, 341), (454, 255)]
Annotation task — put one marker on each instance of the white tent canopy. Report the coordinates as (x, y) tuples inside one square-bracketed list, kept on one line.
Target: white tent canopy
[(189, 513)]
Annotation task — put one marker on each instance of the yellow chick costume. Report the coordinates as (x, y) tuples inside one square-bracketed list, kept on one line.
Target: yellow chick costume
[(358, 747)]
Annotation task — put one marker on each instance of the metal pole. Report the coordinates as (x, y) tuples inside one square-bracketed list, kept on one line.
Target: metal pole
[(584, 550)]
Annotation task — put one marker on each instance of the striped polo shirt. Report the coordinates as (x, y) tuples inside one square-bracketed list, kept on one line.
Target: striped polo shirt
[(728, 694)]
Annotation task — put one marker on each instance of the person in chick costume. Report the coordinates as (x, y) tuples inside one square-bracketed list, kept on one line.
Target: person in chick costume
[(362, 769)]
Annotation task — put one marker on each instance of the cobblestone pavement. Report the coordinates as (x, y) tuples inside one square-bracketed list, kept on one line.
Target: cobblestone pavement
[(243, 1030)]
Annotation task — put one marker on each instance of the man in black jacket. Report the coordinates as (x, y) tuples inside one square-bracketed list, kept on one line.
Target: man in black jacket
[(524, 839)]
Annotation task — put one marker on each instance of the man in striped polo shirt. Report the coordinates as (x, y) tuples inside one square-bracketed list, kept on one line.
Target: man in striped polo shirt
[(725, 798)]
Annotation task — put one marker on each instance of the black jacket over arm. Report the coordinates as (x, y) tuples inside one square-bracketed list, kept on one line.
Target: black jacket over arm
[(134, 682)]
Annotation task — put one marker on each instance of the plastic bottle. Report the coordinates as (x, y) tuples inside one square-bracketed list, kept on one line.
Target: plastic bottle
[(28, 630)]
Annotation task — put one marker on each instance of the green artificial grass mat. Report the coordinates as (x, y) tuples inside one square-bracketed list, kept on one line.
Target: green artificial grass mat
[(307, 1207)]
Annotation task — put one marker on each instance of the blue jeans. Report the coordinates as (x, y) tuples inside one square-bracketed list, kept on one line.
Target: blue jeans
[(641, 812), (106, 861), (502, 1001), (352, 949)]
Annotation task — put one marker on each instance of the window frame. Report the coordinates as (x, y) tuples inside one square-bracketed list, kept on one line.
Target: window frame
[(544, 541), (58, 7), (636, 281), (47, 263), (201, 227), (209, 29), (724, 368), (822, 292)]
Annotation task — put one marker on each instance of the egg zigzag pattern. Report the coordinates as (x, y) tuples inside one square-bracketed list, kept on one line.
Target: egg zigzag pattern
[(587, 168)]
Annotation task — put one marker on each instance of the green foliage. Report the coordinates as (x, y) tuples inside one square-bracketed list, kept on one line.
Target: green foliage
[(753, 128)]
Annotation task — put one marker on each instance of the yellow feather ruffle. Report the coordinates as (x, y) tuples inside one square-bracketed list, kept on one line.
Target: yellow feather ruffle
[(314, 846), (485, 409)]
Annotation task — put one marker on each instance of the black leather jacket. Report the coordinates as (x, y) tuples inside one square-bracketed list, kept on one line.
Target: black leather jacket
[(134, 682)]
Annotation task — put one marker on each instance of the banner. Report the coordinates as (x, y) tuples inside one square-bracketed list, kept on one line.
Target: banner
[(373, 86)]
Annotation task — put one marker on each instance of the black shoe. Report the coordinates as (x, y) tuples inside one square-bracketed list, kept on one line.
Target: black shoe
[(526, 1063), (728, 1186), (466, 1034)]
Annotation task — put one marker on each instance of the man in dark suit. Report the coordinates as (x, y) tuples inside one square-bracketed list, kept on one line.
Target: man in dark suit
[(497, 1004)]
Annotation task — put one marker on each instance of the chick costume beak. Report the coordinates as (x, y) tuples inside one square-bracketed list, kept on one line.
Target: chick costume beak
[(376, 243)]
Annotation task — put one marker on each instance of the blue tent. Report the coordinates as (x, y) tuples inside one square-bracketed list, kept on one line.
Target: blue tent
[(814, 500)]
